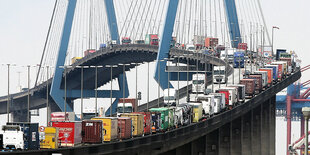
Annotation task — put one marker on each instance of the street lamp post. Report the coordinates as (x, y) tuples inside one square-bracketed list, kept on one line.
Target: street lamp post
[(274, 27), (111, 94)]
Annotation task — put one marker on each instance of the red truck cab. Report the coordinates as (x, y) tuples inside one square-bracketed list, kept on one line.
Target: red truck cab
[(126, 40), (154, 40)]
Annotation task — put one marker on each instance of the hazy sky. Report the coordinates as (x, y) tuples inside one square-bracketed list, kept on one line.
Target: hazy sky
[(24, 24)]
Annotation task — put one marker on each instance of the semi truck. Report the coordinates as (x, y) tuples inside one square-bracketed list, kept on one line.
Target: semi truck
[(126, 40), (126, 105), (199, 83), (239, 59), (219, 75), (13, 137), (170, 97), (151, 39)]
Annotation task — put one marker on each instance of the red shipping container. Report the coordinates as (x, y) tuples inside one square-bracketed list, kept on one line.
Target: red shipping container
[(89, 51), (124, 126), (243, 46), (226, 92), (69, 133), (259, 82), (211, 42), (249, 86), (133, 101), (92, 131), (147, 121)]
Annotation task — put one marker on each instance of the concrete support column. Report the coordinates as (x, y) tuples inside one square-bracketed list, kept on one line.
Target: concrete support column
[(265, 143), (212, 143), (272, 126), (225, 139), (198, 146), (246, 133), (184, 150), (235, 145), (256, 132)]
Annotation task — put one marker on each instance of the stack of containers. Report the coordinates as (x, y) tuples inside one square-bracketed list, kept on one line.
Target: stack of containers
[(92, 131), (125, 127), (164, 121), (69, 133), (137, 123), (147, 121), (49, 137), (110, 126)]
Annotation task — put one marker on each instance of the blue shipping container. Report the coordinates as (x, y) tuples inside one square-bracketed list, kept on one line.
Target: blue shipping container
[(31, 134)]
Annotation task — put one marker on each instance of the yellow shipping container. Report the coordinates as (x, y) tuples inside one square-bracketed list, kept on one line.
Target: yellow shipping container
[(197, 111), (137, 123), (73, 60), (48, 137), (110, 124)]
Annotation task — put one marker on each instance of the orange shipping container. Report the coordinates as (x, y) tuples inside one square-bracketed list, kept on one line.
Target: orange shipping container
[(269, 74), (211, 42)]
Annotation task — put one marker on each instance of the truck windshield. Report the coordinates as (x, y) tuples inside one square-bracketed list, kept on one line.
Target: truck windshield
[(198, 81), (219, 72), (154, 40), (126, 109), (88, 115), (169, 98), (126, 41), (230, 56), (191, 48)]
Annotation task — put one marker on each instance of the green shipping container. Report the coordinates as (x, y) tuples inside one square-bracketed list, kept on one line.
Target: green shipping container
[(171, 117), (164, 113)]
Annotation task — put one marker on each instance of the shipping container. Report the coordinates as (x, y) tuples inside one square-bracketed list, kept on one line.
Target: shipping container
[(219, 99), (147, 121), (197, 112), (226, 93), (233, 95), (258, 83), (74, 59), (89, 51), (31, 134), (171, 117), (156, 121), (69, 133), (62, 116), (275, 71), (269, 75), (124, 127), (249, 86), (243, 46), (280, 69), (132, 101), (264, 77), (241, 92), (92, 131), (137, 123), (211, 42), (110, 126), (279, 51), (164, 116), (49, 137)]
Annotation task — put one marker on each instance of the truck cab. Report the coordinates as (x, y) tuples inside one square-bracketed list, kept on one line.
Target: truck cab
[(13, 137), (199, 83), (190, 48), (230, 55), (124, 108), (219, 75), (239, 59), (170, 97), (152, 39), (219, 99), (126, 40), (208, 104)]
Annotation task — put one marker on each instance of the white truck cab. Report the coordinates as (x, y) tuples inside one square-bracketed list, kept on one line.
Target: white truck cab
[(219, 75), (13, 138), (208, 104), (219, 99), (124, 108), (170, 97), (190, 48), (199, 83)]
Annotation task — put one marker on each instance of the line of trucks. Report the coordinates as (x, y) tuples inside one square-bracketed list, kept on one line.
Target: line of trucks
[(65, 131)]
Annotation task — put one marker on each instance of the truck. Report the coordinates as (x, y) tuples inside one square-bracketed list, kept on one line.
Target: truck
[(197, 111), (13, 137), (243, 46), (199, 83), (264, 78), (31, 134), (89, 51), (287, 57), (151, 39), (241, 92), (211, 42), (186, 110), (232, 95), (139, 42), (126, 40), (239, 59), (280, 70), (219, 99), (190, 48), (249, 87), (173, 42), (208, 104), (230, 55), (269, 75), (126, 105), (170, 97), (48, 137), (219, 74), (258, 83), (279, 51), (274, 71), (89, 113)]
